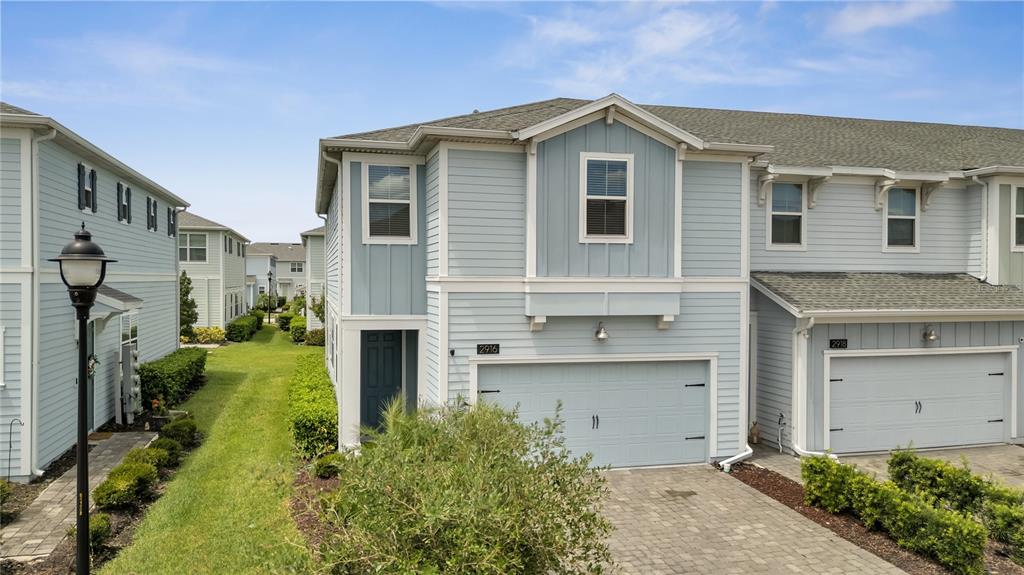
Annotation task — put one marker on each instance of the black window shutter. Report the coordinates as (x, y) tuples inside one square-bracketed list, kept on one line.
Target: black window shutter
[(120, 202), (149, 213), (128, 205), (170, 223), (94, 194), (156, 221), (81, 186)]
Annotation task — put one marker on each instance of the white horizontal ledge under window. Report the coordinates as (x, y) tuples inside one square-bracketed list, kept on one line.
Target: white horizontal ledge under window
[(389, 203), (606, 198)]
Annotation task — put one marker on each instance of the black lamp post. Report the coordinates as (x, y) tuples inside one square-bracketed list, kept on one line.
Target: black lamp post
[(83, 265), (270, 306)]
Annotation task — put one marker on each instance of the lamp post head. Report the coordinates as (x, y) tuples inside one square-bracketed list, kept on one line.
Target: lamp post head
[(83, 265)]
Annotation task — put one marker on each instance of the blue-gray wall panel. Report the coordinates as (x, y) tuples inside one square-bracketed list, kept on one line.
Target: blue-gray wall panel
[(712, 206), (13, 391), (10, 202), (774, 370)]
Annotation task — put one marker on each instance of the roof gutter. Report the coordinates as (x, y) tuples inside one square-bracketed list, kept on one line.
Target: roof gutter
[(995, 170)]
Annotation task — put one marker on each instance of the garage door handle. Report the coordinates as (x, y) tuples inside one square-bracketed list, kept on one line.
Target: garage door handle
[(836, 429), (598, 421), (490, 391), (1000, 373), (695, 437), (593, 422), (694, 385), (995, 421), (835, 380)]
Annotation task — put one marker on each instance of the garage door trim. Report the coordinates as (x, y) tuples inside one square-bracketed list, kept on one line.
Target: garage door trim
[(712, 358), (1012, 350)]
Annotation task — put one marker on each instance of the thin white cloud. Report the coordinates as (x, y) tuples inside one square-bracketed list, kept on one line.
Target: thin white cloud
[(861, 17), (563, 31)]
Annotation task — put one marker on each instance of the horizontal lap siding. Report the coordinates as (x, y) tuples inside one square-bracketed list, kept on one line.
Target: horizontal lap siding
[(314, 276), (774, 370), (486, 213), (712, 193), (976, 245), (10, 202), (433, 215), (898, 336), (707, 323), (332, 248), (12, 392), (205, 278)]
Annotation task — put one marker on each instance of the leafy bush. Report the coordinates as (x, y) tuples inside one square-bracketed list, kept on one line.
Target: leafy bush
[(128, 485), (312, 408), (286, 307), (154, 456), (173, 376), (99, 530), (242, 328), (1003, 521), (297, 329), (298, 305), (5, 491), (280, 301), (172, 447), (328, 466), (952, 538), (315, 337), (188, 312), (259, 315), (209, 335), (466, 491), (316, 305), (954, 486), (284, 320), (262, 301), (183, 431)]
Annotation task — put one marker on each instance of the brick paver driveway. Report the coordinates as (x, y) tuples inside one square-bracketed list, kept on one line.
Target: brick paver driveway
[(699, 520)]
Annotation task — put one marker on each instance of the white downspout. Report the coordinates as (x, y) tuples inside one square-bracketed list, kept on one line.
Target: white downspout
[(800, 388), (984, 226), (33, 427), (728, 463)]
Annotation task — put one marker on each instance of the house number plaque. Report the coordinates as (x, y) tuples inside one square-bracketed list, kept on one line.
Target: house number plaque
[(488, 349), (837, 343)]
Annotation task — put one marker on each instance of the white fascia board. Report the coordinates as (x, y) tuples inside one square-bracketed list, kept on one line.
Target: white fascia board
[(90, 149), (836, 316), (863, 171), (812, 171), (775, 298), (731, 147), (994, 170), (452, 132)]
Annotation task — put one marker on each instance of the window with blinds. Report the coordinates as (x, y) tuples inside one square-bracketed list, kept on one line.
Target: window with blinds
[(607, 193), (389, 208), (787, 215)]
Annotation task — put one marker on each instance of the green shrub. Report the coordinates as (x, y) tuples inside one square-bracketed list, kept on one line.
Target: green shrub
[(954, 486), (5, 491), (284, 320), (280, 301), (298, 304), (312, 408), (1003, 521), (466, 491), (183, 431), (209, 335), (173, 376), (99, 530), (154, 456), (315, 337), (128, 485), (297, 329), (242, 328), (259, 315), (827, 484), (172, 447), (328, 466)]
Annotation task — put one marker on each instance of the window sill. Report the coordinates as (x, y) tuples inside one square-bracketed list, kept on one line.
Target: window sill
[(603, 240), (901, 249), (390, 241), (786, 247)]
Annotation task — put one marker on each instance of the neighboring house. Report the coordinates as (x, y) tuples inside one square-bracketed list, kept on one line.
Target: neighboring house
[(213, 256), (614, 257), (290, 275), (257, 266), (313, 243), (51, 181)]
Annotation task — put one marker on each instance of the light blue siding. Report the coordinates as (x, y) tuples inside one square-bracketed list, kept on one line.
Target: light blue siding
[(429, 390), (387, 279), (332, 248), (774, 370), (708, 322), (486, 213), (559, 251), (433, 215), (314, 277), (976, 242), (712, 193), (13, 391), (1011, 263), (10, 202)]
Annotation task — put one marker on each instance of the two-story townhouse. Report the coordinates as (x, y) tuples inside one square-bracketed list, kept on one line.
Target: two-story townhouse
[(588, 253), (213, 256), (260, 274), (290, 275), (313, 243), (51, 182)]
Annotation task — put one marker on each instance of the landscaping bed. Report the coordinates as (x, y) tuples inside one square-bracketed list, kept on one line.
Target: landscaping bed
[(22, 494), (791, 494)]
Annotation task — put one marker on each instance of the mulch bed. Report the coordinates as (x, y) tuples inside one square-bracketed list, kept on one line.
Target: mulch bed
[(305, 507), (791, 494), (22, 494)]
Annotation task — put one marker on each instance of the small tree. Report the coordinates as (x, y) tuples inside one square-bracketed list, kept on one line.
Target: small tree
[(262, 302), (189, 312), (317, 305)]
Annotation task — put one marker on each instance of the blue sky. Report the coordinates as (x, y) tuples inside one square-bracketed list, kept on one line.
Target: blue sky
[(223, 103)]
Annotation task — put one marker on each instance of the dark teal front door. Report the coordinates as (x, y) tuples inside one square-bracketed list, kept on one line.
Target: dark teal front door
[(381, 374)]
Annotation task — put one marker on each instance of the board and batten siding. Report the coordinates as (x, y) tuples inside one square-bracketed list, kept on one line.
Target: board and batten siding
[(486, 213), (559, 251), (897, 336), (711, 218), (13, 390), (429, 390), (387, 279), (10, 203), (432, 209), (774, 370), (1011, 263), (844, 232), (708, 322)]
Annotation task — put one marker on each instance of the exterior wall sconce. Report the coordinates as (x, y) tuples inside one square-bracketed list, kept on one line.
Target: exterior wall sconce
[(601, 335), (930, 335)]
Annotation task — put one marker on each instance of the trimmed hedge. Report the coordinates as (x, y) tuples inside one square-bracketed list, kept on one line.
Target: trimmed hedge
[(297, 329), (154, 456), (242, 328), (208, 335), (315, 337), (172, 377), (952, 538), (172, 447), (128, 485), (284, 320), (100, 529), (312, 408), (259, 315), (182, 431)]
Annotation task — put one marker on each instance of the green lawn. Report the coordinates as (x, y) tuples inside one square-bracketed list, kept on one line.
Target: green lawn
[(226, 511)]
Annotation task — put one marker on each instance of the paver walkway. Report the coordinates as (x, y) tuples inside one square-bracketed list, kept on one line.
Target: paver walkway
[(700, 520), (45, 522)]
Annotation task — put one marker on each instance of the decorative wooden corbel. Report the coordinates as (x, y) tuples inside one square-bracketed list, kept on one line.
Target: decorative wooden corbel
[(813, 185), (927, 189), (537, 322), (881, 187), (665, 321), (764, 181), (609, 116), (531, 147)]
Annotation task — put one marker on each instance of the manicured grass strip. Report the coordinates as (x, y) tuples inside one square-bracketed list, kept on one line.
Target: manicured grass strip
[(226, 511)]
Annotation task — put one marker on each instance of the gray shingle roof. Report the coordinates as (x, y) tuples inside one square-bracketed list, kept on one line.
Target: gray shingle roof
[(811, 292), (281, 251), (799, 140), (314, 232), (188, 220), (118, 295), (6, 108)]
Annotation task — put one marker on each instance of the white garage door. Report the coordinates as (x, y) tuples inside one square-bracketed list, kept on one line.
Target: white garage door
[(879, 403), (626, 413)]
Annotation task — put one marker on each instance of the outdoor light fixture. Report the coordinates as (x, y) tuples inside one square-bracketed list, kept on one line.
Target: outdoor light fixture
[(601, 335), (930, 334), (83, 265)]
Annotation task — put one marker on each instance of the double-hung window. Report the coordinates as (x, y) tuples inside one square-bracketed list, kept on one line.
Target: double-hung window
[(296, 267), (606, 198), (86, 188), (1018, 220), (786, 217), (901, 225), (389, 208), (192, 247)]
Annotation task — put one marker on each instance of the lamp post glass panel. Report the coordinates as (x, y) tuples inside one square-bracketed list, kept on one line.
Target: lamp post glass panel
[(83, 265)]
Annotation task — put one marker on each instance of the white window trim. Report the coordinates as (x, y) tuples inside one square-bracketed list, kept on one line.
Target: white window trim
[(769, 212), (916, 248), (1015, 244), (595, 239), (188, 247), (413, 193), (293, 265)]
